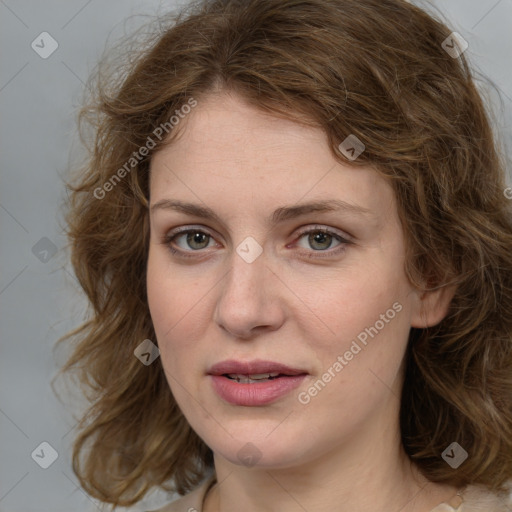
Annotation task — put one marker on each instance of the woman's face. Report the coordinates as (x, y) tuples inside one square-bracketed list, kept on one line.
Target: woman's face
[(259, 281)]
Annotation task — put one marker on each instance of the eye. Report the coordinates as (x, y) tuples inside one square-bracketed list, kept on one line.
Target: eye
[(194, 239), (320, 239)]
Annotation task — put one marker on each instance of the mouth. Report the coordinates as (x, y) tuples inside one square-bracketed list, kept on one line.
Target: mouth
[(254, 383), (252, 379)]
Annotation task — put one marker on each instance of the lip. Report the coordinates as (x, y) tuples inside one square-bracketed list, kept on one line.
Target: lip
[(253, 367), (254, 394)]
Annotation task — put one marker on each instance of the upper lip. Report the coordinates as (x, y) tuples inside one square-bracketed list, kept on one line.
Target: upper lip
[(254, 367)]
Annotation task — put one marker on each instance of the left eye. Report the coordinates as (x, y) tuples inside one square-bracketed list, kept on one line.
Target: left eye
[(321, 238)]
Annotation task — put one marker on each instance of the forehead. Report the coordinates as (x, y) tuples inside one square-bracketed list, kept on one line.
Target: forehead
[(225, 127), (228, 151)]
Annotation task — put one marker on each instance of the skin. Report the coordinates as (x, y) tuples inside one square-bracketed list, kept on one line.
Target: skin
[(343, 447)]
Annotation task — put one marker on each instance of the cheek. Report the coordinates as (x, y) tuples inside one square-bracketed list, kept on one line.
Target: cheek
[(158, 294), (171, 293), (165, 299), (365, 316), (177, 305), (355, 300)]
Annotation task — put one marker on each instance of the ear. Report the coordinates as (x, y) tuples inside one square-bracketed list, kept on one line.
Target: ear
[(432, 306)]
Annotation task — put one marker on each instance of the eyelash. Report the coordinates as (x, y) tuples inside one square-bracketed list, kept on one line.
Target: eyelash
[(169, 238)]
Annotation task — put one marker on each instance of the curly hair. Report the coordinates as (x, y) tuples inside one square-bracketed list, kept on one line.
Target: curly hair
[(376, 69)]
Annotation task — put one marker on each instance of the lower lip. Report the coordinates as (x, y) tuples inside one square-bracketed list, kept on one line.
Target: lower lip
[(259, 393)]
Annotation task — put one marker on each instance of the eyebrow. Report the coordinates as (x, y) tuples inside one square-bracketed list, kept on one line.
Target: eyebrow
[(279, 215)]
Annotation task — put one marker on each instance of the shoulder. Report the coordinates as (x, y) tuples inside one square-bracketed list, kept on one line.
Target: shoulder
[(476, 499), (191, 502), (480, 499)]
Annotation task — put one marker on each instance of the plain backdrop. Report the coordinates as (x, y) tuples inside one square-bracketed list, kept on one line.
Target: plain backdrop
[(39, 297)]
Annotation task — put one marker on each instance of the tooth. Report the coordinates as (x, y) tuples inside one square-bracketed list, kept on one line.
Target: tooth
[(261, 375), (251, 378)]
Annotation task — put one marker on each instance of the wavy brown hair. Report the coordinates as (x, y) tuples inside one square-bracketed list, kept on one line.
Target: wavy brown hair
[(376, 69)]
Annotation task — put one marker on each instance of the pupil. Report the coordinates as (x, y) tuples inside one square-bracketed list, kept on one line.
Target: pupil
[(320, 238), (193, 238)]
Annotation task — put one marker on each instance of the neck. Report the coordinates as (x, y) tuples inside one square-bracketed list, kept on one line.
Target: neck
[(356, 476)]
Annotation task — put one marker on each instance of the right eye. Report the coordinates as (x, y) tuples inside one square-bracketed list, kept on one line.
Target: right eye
[(193, 238)]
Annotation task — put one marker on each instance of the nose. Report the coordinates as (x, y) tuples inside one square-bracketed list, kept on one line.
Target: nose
[(249, 300)]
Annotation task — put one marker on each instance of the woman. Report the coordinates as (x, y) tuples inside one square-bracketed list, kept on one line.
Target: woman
[(294, 235)]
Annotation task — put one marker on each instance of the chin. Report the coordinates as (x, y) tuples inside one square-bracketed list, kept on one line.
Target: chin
[(258, 450)]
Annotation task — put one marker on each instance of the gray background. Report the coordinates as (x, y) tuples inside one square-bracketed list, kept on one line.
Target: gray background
[(39, 296)]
